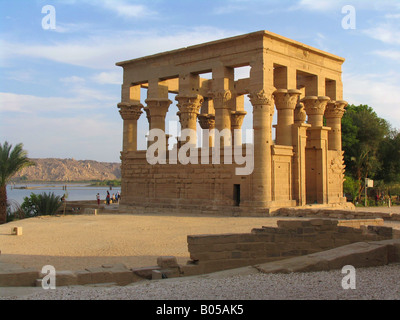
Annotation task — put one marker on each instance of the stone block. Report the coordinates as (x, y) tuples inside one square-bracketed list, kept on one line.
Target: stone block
[(293, 224), (145, 272), (156, 275), (386, 232), (167, 262), (19, 278), (84, 277), (206, 256), (66, 278), (191, 270), (213, 239), (16, 231)]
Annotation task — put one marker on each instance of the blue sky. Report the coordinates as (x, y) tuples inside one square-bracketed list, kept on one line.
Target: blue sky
[(59, 89)]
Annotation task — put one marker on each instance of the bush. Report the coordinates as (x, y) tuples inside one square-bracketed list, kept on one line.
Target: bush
[(41, 204), (14, 211), (350, 188)]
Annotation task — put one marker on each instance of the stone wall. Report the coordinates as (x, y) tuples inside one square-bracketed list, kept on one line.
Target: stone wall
[(180, 187), (335, 214), (210, 253)]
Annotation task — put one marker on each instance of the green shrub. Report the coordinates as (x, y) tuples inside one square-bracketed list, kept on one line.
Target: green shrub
[(41, 204)]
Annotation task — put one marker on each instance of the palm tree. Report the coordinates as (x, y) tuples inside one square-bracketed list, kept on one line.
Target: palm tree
[(11, 161)]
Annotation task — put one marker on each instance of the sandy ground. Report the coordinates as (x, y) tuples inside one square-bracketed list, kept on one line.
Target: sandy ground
[(79, 242)]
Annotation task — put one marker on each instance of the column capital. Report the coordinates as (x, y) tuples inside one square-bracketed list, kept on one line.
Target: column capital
[(315, 106), (190, 103), (261, 98), (286, 99), (221, 98), (157, 107), (129, 111), (237, 118), (335, 109), (206, 121)]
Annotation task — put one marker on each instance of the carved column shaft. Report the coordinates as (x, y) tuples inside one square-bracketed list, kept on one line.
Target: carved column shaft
[(222, 113), (263, 103), (130, 113)]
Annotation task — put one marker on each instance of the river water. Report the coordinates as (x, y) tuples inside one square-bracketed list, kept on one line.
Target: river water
[(74, 192)]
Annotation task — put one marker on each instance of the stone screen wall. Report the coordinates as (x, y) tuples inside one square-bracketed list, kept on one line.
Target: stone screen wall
[(210, 253)]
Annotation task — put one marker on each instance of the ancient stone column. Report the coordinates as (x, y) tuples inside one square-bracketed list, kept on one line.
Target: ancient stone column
[(334, 113), (285, 101), (221, 101), (189, 107), (130, 113), (317, 149), (237, 118), (207, 123), (156, 111), (263, 103), (315, 108), (299, 134)]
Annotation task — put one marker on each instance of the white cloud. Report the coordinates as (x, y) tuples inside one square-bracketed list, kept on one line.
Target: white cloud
[(312, 5), (72, 79), (385, 32), (390, 54), (379, 91), (103, 51), (81, 99), (125, 9), (330, 5), (94, 138), (111, 77)]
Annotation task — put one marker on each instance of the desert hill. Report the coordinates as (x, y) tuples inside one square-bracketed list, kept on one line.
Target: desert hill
[(69, 170)]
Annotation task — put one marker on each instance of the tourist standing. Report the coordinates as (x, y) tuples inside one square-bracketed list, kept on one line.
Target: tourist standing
[(108, 198), (98, 199)]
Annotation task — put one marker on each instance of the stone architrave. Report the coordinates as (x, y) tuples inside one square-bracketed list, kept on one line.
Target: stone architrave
[(263, 104), (285, 101), (130, 113), (334, 113)]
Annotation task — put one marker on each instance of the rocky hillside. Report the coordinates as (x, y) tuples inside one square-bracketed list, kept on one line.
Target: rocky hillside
[(69, 170)]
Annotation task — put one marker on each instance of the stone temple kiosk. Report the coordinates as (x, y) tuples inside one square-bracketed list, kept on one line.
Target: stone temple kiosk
[(304, 165)]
